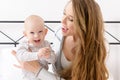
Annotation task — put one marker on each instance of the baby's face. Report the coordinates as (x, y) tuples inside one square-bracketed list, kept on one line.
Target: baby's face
[(35, 33)]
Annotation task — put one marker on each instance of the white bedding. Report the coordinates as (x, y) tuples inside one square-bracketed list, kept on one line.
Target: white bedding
[(7, 70)]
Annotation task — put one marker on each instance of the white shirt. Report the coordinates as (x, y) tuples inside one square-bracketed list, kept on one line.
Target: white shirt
[(64, 62)]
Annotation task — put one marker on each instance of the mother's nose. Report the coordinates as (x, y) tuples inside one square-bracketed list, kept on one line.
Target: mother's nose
[(63, 21)]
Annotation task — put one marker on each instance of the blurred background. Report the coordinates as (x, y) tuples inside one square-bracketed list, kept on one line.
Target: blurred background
[(14, 12)]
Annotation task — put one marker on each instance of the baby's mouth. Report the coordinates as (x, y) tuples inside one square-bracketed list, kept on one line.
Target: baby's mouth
[(37, 41)]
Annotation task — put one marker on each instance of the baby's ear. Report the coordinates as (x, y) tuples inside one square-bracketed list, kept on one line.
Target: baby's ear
[(46, 30), (24, 33)]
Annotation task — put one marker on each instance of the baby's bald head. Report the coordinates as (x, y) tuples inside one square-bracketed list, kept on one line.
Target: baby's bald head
[(33, 21)]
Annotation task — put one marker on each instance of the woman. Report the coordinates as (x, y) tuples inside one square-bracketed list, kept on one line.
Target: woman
[(82, 53)]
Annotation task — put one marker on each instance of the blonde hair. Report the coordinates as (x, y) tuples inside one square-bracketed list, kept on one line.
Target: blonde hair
[(90, 53)]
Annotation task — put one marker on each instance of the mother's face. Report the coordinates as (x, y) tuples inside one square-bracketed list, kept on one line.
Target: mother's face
[(67, 21)]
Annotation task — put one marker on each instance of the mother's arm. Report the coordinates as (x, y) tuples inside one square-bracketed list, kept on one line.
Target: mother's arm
[(32, 66), (35, 67)]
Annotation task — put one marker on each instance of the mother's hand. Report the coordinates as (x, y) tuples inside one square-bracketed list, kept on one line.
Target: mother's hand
[(32, 66)]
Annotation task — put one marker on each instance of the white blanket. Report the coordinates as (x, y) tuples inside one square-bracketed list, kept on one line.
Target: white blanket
[(7, 70)]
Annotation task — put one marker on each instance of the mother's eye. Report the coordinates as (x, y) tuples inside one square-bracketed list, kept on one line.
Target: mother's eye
[(70, 19)]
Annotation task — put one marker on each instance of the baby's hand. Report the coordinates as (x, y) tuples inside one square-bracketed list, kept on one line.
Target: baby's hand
[(44, 52)]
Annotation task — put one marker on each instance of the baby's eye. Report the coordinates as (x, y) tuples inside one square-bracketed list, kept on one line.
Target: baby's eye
[(31, 32), (40, 31)]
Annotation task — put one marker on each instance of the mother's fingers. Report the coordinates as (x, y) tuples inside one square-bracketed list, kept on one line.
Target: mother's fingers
[(20, 62), (13, 52), (17, 66)]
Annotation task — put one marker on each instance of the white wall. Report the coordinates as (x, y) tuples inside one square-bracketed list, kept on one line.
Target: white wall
[(110, 9), (17, 10)]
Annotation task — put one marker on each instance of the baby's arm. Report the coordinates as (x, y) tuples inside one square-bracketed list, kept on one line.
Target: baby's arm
[(23, 54), (52, 58), (47, 53), (44, 52)]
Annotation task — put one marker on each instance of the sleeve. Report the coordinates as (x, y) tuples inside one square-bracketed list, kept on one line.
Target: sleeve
[(52, 58), (46, 75), (24, 55)]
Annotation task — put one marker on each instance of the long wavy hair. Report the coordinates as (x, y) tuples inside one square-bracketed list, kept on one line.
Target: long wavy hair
[(90, 53)]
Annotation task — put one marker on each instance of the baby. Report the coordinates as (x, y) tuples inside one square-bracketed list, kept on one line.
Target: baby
[(34, 47)]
